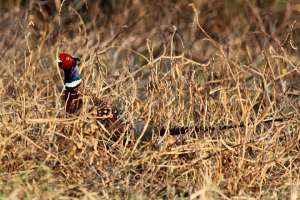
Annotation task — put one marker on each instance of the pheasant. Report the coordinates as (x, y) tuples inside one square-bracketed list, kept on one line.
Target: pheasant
[(108, 114)]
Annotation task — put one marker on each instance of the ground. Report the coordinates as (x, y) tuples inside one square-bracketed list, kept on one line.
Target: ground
[(169, 63)]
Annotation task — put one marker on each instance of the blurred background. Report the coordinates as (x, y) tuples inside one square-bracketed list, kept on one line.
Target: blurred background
[(228, 22), (176, 62)]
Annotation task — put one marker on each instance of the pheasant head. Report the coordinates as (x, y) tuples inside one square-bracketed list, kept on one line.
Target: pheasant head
[(70, 65)]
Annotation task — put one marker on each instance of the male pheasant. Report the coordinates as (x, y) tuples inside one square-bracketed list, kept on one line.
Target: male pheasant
[(108, 115)]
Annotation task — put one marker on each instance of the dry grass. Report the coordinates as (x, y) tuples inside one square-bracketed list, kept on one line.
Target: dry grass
[(171, 68)]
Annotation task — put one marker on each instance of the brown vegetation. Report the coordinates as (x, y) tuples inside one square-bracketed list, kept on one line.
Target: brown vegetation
[(169, 63)]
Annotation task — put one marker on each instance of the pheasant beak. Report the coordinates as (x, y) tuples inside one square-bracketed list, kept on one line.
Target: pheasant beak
[(59, 62)]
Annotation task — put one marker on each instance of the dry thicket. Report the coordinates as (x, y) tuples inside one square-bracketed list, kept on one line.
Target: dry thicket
[(170, 63)]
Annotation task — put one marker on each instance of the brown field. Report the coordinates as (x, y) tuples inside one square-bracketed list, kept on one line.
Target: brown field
[(204, 63)]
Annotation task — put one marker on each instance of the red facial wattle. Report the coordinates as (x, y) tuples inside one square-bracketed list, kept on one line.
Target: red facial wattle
[(66, 61)]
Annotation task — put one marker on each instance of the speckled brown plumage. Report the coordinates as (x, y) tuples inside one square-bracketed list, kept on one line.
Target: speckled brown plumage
[(101, 110)]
